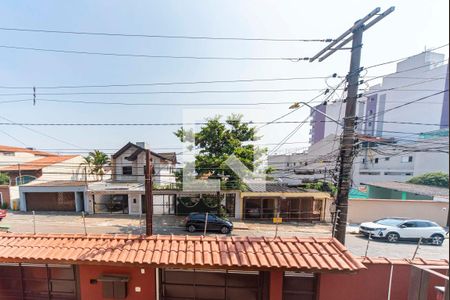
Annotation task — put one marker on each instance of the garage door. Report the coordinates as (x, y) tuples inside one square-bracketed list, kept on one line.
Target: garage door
[(63, 201), (37, 282), (178, 284)]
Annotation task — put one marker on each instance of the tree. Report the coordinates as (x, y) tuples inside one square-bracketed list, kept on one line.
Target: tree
[(4, 179), (96, 162), (216, 142), (439, 179)]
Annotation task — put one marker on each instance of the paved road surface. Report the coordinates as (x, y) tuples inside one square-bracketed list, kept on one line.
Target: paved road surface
[(98, 224)]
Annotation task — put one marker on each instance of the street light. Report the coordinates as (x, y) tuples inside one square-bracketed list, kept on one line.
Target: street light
[(297, 105)]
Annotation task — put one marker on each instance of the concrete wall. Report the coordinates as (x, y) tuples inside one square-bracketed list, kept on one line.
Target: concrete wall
[(371, 284), (363, 210), (145, 281)]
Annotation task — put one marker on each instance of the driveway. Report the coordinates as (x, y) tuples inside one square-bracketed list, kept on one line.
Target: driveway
[(125, 224)]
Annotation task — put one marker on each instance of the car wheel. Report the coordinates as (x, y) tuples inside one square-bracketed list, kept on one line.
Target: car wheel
[(191, 228), (392, 237), (225, 230), (437, 239)]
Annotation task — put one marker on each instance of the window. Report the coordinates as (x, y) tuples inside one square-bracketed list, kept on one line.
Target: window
[(423, 224), (294, 164), (409, 224), (364, 161), (370, 112), (8, 153), (370, 124), (127, 170), (376, 160), (406, 159), (287, 164), (387, 158)]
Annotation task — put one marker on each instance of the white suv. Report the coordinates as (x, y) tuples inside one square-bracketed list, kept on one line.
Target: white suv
[(394, 229)]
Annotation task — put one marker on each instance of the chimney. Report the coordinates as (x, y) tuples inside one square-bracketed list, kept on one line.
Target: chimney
[(142, 145)]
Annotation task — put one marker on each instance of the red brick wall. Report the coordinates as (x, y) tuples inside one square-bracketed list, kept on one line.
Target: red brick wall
[(371, 284), (145, 281), (4, 189)]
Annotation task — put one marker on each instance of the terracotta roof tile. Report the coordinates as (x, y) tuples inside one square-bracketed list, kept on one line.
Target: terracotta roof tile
[(4, 148), (307, 254), (38, 164)]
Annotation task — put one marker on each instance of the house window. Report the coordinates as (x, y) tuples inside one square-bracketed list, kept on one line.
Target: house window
[(406, 159), (364, 161), (8, 153), (127, 170), (386, 158), (287, 164), (376, 160)]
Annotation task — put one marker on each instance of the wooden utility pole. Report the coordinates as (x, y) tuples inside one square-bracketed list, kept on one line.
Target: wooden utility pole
[(347, 151), (148, 193)]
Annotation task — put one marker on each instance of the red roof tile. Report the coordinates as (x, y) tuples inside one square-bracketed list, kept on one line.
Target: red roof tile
[(299, 254), (4, 148), (38, 163)]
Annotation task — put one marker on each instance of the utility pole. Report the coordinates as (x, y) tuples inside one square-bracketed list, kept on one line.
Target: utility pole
[(347, 151), (148, 193)]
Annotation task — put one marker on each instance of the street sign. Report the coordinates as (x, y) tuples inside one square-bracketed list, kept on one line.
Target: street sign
[(277, 220)]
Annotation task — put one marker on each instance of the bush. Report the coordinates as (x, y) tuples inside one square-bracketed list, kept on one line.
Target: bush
[(439, 179), (4, 179)]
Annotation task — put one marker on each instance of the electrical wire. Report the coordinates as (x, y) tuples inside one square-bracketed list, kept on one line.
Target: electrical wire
[(161, 36), (153, 56)]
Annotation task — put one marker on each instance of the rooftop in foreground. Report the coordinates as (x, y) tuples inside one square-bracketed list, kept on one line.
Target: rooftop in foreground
[(251, 253)]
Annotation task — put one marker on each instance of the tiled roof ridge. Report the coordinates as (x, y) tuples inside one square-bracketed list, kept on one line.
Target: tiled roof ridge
[(172, 237)]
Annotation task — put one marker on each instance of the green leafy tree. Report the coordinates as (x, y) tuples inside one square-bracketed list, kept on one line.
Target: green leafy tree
[(95, 162), (323, 186), (216, 142), (439, 179), (4, 179)]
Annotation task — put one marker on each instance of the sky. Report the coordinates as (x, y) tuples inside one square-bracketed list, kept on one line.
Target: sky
[(411, 28)]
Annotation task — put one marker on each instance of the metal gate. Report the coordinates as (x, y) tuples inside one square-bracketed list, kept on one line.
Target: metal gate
[(211, 284), (111, 204), (38, 282)]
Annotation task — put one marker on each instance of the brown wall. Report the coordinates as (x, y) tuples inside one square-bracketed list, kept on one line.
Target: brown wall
[(363, 210), (371, 284), (147, 281), (4, 189)]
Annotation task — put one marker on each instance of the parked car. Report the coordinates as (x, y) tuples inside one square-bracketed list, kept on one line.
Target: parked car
[(2, 214), (196, 221), (395, 229)]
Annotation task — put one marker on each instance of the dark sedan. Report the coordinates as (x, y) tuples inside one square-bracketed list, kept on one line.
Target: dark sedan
[(197, 221)]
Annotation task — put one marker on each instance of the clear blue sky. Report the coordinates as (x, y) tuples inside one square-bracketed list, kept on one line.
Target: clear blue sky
[(412, 27)]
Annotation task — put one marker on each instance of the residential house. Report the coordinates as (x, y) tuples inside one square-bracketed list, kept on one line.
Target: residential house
[(134, 267), (26, 166), (128, 165)]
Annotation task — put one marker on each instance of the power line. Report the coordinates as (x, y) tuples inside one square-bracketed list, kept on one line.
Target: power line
[(403, 58), (41, 133), (169, 83), (136, 55), (160, 36)]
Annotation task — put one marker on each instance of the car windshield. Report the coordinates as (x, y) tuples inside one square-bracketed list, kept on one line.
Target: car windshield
[(389, 222)]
